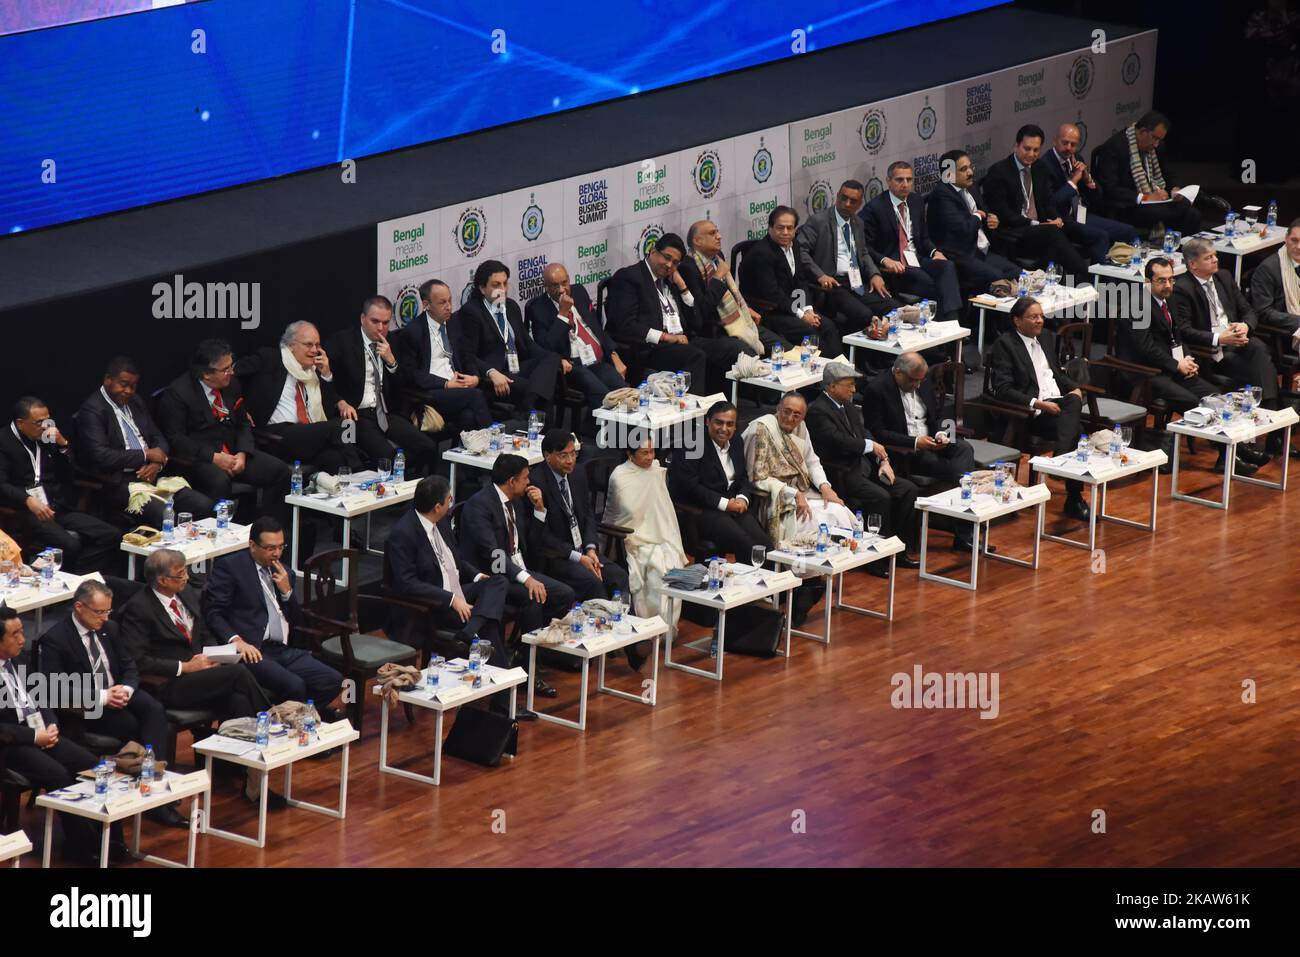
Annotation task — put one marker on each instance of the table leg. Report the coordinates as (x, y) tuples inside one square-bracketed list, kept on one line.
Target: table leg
[(532, 675), (347, 543), (722, 641), (293, 548), (582, 694), (452, 479), (49, 837), (130, 565), (437, 749), (104, 831)]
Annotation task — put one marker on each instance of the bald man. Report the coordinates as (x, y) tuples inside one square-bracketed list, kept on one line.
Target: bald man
[(564, 320), (1078, 197), (714, 289)]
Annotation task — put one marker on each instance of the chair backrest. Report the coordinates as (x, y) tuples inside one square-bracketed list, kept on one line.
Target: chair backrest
[(738, 252), (600, 301), (945, 379), (1074, 350), (323, 587)]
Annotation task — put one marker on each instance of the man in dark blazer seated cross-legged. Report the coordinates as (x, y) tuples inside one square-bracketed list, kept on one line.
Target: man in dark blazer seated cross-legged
[(1140, 186), (564, 320), (423, 563), (501, 530), (1026, 372), (250, 602), (1078, 196), (961, 225), (432, 361)]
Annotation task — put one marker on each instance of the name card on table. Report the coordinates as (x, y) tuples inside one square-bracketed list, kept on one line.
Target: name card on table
[(502, 676), (275, 750), (183, 783), (122, 801), (342, 726), (452, 693), (16, 842)]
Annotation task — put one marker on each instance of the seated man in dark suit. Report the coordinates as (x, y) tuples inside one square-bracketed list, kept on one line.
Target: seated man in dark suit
[(291, 395), (960, 225), (166, 636), (1078, 198), (1026, 372), (509, 363), (768, 280), (896, 233), (1275, 286), (366, 380), (121, 444), (203, 416), (713, 293), (88, 643), (501, 528), (1019, 192), (832, 252), (33, 747), (36, 479), (564, 320), (858, 465), (424, 564), (432, 361), (250, 602), (717, 483), (647, 315), (1138, 180)]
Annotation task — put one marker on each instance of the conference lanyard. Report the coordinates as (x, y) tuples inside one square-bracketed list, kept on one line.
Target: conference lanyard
[(36, 459), (126, 421)]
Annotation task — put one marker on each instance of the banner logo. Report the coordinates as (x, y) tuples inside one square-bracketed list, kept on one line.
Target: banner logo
[(649, 236), (707, 174), (872, 131), (820, 197), (1080, 77), (927, 121), (534, 220), (763, 163), (874, 188), (471, 231), (407, 306), (1132, 69)]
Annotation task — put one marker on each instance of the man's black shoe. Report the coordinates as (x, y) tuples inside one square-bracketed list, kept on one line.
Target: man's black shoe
[(1076, 507)]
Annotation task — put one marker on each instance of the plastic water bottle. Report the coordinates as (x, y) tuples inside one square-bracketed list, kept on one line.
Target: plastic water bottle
[(576, 619), (309, 724), (263, 734), (434, 674), (494, 437), (967, 487), (1230, 225), (476, 663), (823, 539), (1053, 276), (643, 396), (893, 324), (169, 522), (999, 479), (778, 358), (923, 320), (1081, 452), (1137, 252), (534, 428), (679, 388), (805, 355), (1116, 445), (715, 573), (399, 466), (1169, 242), (295, 478), (101, 777), (589, 625), (859, 526), (1272, 213), (1022, 284), (223, 515), (617, 618), (47, 569), (147, 771)]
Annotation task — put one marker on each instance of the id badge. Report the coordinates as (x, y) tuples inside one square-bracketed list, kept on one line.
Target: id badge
[(1178, 353), (586, 354), (1081, 214), (855, 278), (673, 322), (910, 258), (38, 492), (512, 362), (36, 721)]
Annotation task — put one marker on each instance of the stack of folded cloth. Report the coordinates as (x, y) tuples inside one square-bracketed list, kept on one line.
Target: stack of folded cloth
[(688, 579)]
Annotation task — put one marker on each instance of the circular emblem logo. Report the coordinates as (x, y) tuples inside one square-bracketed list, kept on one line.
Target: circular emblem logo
[(1083, 133), (534, 220), (649, 236), (820, 196), (707, 173), (407, 306), (466, 292), (1132, 69), (927, 121), (762, 163), (871, 133), (471, 231), (1080, 78), (874, 188)]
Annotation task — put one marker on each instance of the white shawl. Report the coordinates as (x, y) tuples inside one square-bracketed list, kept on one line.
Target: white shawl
[(309, 380), (638, 499)]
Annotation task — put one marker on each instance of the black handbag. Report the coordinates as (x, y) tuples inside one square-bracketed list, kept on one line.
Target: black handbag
[(482, 736)]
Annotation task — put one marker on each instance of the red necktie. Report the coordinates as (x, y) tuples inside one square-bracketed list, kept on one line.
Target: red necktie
[(300, 406), (180, 622), (585, 336), (902, 235), (1164, 310), (219, 410)]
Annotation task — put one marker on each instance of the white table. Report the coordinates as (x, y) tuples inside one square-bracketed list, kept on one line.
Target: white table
[(1239, 431), (910, 339), (282, 752), (348, 506), (747, 584), (1097, 473), (643, 629), (13, 847), (1135, 274), (663, 415), (982, 510), (1066, 297), (196, 550), (1242, 246), (27, 598), (832, 568), (792, 377), (453, 692), (123, 802), (484, 460)]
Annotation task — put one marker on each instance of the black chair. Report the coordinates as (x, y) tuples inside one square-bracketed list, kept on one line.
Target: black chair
[(615, 536), (1074, 352), (12, 788)]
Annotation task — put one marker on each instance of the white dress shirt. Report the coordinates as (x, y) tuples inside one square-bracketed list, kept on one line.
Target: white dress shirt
[(1218, 316), (1048, 388), (277, 600), (439, 358), (981, 240), (789, 261), (843, 255), (914, 411), (728, 470), (574, 555), (93, 650), (904, 215), (672, 322), (368, 397), (446, 560), (286, 410), (1024, 196), (507, 509)]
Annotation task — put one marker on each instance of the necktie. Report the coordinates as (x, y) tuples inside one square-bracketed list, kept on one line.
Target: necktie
[(903, 242), (1164, 311), (568, 510), (446, 342), (98, 663), (179, 620), (300, 405), (848, 241), (848, 420), (274, 629), (506, 332), (381, 411), (510, 527), (219, 412), (1215, 310), (132, 442), (1031, 208), (581, 329), (19, 696)]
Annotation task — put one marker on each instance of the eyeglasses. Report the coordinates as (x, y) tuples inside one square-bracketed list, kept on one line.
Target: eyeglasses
[(96, 612), (790, 413), (222, 370), (269, 548), (183, 576)]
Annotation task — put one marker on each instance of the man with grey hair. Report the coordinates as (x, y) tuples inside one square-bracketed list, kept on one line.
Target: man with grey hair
[(166, 636), (290, 392)]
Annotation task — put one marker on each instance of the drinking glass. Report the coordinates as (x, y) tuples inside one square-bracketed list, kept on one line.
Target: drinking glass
[(758, 555), (7, 574), (185, 523), (874, 524), (344, 475), (56, 559), (1256, 395), (686, 382), (1126, 435), (814, 346), (385, 469)]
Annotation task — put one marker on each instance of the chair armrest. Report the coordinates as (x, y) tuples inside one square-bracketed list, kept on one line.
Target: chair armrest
[(1123, 365), (615, 531), (990, 404), (334, 624)]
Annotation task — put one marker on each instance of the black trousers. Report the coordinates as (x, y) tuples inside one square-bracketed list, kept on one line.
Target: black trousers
[(263, 471), (116, 497), (895, 504), (793, 329), (934, 279), (319, 444), (947, 464), (292, 674), (143, 719), (531, 615), (853, 312), (89, 544), (1179, 393), (670, 357), (585, 585), (1248, 364), (421, 451), (596, 381), (229, 690), (54, 768), (1048, 244), (1098, 235), (1179, 214), (533, 386), (976, 273), (1064, 431), (732, 533), (487, 596), (464, 409)]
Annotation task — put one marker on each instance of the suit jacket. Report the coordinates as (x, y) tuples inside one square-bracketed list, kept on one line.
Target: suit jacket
[(1191, 307), (194, 429), (151, 636), (263, 374), (839, 444), (555, 537), (11, 731), (17, 474), (880, 223), (351, 367), (62, 653), (1003, 192), (707, 295), (551, 333), (816, 245), (484, 346), (413, 566), (953, 229), (1111, 171), (767, 282), (1014, 379), (1154, 345), (100, 446), (484, 536), (632, 307), (413, 346), (1268, 296), (883, 405), (1064, 194), (234, 603), (701, 481)]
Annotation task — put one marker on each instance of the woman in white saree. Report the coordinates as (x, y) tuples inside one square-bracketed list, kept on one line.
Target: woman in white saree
[(638, 499)]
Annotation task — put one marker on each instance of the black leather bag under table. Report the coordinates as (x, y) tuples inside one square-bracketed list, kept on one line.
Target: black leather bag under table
[(753, 629), (482, 736)]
